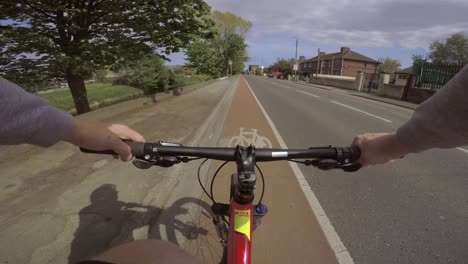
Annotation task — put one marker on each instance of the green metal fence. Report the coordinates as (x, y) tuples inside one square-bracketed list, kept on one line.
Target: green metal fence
[(434, 75)]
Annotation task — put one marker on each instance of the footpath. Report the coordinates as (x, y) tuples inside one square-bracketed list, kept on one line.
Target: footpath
[(63, 206)]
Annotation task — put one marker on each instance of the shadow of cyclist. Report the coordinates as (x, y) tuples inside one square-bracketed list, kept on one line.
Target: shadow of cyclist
[(108, 222)]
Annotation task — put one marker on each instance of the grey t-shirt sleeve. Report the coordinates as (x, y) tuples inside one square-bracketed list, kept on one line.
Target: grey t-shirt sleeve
[(441, 121), (26, 118)]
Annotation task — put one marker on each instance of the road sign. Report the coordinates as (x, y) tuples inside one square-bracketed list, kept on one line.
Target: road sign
[(296, 67)]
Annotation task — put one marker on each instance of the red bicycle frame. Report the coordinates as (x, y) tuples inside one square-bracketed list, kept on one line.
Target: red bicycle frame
[(240, 233)]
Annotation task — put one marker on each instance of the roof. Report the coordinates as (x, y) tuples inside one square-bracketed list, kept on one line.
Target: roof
[(350, 55), (406, 70)]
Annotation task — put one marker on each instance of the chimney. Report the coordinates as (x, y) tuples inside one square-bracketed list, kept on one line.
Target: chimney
[(345, 49)]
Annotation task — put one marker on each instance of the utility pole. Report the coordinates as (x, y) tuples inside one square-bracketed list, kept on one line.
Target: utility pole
[(318, 61), (230, 65), (262, 66), (295, 62)]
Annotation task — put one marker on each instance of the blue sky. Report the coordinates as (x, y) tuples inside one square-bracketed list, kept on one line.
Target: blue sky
[(375, 28)]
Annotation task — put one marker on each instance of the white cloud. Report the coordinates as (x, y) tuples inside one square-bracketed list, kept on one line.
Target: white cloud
[(357, 23)]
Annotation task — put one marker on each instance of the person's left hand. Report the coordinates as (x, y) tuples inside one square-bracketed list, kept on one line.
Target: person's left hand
[(99, 136)]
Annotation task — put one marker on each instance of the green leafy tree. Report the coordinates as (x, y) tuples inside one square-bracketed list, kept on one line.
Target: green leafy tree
[(453, 50), (284, 66), (212, 56), (71, 39), (259, 71), (230, 23), (389, 65), (149, 74)]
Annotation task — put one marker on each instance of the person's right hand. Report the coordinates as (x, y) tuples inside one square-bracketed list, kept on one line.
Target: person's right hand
[(378, 148), (99, 136)]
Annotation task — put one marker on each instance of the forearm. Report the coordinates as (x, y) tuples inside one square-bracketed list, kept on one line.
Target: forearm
[(26, 118), (441, 121)]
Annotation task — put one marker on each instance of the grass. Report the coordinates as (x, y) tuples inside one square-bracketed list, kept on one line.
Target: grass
[(100, 93)]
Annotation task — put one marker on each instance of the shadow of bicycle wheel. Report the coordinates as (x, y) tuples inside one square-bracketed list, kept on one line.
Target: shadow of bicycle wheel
[(108, 222)]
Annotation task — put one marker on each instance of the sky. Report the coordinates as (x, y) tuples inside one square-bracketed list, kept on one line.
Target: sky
[(375, 28)]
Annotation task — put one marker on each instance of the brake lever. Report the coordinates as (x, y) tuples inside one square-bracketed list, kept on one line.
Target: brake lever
[(352, 167), (329, 164), (143, 164), (324, 164)]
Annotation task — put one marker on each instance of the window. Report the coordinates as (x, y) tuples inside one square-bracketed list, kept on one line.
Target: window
[(365, 65)]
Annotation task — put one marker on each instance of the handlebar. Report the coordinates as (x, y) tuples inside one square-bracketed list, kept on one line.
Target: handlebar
[(160, 150)]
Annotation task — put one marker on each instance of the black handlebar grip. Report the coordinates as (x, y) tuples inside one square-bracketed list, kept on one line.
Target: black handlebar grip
[(137, 149), (355, 153)]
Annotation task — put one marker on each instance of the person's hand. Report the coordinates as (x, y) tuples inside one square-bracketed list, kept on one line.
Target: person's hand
[(378, 148), (99, 136)]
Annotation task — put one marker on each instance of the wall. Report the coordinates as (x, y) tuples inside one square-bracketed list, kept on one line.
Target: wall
[(417, 95), (401, 78), (336, 77), (392, 91), (340, 83)]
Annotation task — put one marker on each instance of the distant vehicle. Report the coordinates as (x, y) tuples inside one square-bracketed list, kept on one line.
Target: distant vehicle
[(270, 75), (278, 74)]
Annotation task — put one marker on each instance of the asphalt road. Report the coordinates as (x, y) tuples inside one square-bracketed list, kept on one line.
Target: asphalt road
[(414, 210)]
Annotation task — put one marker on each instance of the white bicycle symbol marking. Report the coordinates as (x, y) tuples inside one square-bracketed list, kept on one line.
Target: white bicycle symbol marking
[(249, 137)]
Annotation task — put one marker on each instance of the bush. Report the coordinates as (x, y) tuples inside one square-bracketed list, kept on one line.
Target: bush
[(149, 75), (122, 80)]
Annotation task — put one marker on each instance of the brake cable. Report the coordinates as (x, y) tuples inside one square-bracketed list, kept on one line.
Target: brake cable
[(199, 180), (263, 183)]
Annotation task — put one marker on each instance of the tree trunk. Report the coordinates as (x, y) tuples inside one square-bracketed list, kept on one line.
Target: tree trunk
[(78, 91)]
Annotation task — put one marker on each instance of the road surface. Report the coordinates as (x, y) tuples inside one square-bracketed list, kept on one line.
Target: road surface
[(411, 211)]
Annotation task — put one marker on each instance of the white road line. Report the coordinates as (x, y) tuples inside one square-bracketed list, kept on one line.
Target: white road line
[(361, 111), (297, 90), (314, 95), (464, 150), (332, 237)]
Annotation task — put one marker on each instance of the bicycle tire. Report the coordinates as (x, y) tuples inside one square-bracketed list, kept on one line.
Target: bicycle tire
[(192, 228)]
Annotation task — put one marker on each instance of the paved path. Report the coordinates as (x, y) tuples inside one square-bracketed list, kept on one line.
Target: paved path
[(60, 205)]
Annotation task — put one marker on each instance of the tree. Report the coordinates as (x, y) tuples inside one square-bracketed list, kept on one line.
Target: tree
[(149, 74), (230, 23), (71, 39), (284, 66), (389, 65), (259, 71), (212, 56), (453, 50)]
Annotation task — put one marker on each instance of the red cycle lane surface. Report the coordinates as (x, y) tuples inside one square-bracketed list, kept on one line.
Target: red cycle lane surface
[(289, 233)]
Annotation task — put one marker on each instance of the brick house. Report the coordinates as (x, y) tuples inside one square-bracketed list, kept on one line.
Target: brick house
[(343, 63)]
